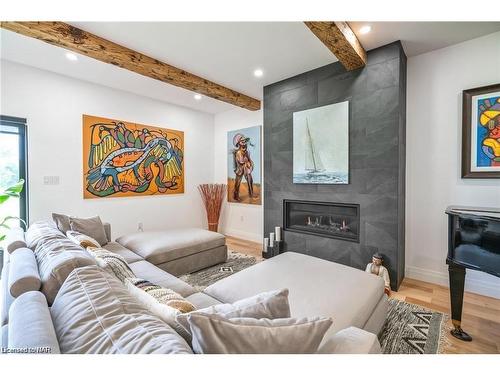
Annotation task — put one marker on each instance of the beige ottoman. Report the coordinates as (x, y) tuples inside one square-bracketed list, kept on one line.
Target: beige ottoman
[(351, 297), (178, 251)]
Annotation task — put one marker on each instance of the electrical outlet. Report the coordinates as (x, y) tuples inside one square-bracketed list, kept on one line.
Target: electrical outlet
[(140, 227), (242, 218)]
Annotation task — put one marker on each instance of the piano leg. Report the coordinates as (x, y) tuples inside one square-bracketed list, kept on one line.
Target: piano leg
[(457, 283)]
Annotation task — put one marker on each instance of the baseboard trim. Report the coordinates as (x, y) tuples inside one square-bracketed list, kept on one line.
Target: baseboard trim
[(242, 234), (472, 283)]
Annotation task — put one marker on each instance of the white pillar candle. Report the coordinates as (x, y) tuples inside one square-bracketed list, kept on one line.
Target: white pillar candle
[(266, 243), (278, 233), (271, 239)]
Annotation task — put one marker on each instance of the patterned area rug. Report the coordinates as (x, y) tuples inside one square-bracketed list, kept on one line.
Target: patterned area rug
[(412, 329), (409, 329), (235, 263)]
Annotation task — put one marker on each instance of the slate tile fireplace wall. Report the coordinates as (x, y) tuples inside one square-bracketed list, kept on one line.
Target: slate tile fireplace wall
[(377, 101)]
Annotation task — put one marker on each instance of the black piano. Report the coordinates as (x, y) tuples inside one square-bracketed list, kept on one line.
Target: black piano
[(474, 243)]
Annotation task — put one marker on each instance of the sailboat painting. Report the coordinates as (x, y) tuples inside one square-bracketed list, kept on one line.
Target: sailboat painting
[(321, 145)]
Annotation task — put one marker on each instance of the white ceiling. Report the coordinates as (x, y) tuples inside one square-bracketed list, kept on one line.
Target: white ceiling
[(422, 37), (225, 52)]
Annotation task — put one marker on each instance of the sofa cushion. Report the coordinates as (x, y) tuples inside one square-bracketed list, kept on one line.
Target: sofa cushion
[(56, 258), (23, 272), (41, 231), (317, 287), (202, 300), (95, 313), (15, 240), (146, 270), (6, 298), (30, 324), (213, 334), (5, 336), (163, 246), (91, 226), (116, 248), (351, 340)]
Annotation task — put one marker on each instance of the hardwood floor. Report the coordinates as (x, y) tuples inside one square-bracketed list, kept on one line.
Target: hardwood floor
[(480, 318)]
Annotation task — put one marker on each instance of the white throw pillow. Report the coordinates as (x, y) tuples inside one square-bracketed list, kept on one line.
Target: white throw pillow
[(213, 334), (270, 305), (82, 239)]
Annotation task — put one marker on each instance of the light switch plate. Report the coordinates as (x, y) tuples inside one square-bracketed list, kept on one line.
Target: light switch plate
[(51, 180)]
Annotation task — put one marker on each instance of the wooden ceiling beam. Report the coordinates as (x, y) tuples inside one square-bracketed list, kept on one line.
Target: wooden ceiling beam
[(69, 37), (341, 40)]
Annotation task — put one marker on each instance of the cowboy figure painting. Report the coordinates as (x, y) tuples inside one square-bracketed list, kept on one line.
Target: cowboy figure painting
[(244, 166)]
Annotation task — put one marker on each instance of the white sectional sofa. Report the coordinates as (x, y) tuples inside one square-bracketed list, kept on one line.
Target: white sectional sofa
[(353, 299)]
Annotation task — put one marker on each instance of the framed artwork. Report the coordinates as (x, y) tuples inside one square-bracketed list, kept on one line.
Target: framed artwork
[(321, 145), (244, 166), (481, 132), (124, 159)]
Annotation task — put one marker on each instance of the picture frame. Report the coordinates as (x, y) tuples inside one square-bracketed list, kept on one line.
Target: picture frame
[(321, 145), (244, 165), (481, 132)]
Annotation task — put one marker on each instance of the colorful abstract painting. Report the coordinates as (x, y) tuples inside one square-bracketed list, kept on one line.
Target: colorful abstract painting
[(321, 145), (123, 159), (243, 166), (485, 140)]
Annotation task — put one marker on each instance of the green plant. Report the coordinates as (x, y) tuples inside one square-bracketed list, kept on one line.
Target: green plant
[(13, 191)]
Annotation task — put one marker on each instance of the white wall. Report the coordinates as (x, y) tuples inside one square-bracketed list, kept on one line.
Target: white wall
[(239, 220), (54, 104), (435, 83)]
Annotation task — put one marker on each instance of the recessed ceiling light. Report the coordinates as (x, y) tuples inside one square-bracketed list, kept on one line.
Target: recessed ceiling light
[(365, 29), (197, 96), (71, 56), (258, 73)]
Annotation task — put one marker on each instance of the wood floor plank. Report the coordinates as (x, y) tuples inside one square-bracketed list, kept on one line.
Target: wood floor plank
[(480, 318)]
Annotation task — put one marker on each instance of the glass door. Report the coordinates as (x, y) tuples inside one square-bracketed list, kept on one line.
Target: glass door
[(13, 164)]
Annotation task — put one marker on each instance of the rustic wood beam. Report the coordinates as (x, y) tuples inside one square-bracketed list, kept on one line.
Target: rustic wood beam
[(69, 37), (341, 40)]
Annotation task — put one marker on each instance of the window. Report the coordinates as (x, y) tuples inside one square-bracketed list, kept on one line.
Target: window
[(13, 163)]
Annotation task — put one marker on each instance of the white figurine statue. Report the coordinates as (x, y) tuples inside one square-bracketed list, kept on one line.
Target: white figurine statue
[(378, 269)]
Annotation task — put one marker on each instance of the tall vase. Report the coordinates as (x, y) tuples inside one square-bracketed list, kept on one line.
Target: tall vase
[(212, 196)]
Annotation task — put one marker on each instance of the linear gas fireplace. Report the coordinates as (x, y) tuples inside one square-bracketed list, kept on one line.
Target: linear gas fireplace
[(327, 219)]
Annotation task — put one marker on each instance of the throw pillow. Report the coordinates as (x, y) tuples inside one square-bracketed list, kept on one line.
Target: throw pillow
[(213, 334), (91, 227), (62, 222), (163, 309), (270, 305), (113, 263), (163, 295), (82, 239)]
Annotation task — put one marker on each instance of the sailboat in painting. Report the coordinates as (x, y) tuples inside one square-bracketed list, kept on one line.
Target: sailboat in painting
[(313, 164), (320, 145)]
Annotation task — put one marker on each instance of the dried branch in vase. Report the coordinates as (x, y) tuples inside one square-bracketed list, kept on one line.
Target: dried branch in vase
[(213, 195)]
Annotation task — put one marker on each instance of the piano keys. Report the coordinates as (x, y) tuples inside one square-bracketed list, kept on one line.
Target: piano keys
[(473, 243)]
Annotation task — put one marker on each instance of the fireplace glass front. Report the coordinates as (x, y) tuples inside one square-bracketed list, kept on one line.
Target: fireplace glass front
[(327, 219)]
